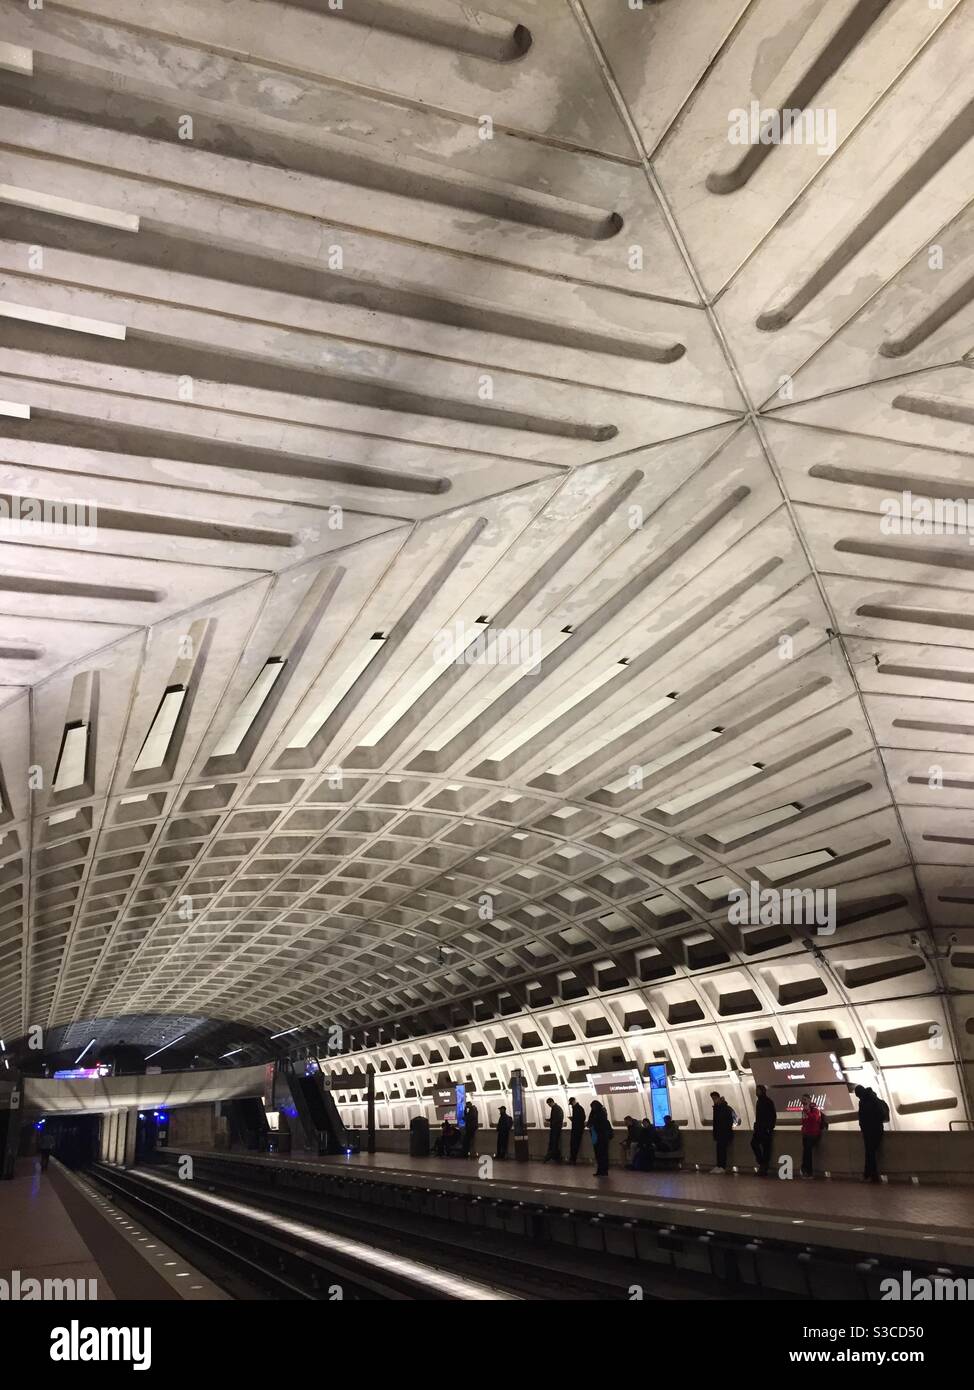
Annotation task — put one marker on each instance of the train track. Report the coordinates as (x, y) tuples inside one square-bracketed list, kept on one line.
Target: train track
[(392, 1256), (278, 1256), (324, 1226)]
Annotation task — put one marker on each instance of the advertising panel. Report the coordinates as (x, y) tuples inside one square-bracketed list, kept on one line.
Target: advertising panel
[(659, 1093)]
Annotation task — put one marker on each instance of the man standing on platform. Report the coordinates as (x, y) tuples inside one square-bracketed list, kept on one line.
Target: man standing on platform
[(873, 1114), (45, 1147), (577, 1129), (556, 1121), (601, 1131), (765, 1118), (723, 1130), (471, 1123), (504, 1126)]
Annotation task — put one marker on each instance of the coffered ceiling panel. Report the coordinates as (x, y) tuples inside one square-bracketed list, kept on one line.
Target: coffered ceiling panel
[(450, 462)]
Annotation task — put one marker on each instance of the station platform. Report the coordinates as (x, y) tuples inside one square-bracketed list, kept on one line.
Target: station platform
[(56, 1229), (900, 1221), (40, 1241)]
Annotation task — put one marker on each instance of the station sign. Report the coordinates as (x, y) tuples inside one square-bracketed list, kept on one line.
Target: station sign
[(615, 1083), (818, 1074)]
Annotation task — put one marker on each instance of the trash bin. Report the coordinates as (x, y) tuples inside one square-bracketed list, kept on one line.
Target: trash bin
[(419, 1137)]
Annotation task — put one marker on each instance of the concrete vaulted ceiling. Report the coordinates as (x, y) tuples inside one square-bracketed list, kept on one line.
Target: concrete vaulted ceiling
[(370, 329)]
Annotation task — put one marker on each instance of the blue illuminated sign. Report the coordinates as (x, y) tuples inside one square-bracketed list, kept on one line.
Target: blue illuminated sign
[(659, 1093)]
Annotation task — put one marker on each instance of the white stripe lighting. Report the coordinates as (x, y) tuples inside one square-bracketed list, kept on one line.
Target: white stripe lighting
[(451, 1285), (164, 1046)]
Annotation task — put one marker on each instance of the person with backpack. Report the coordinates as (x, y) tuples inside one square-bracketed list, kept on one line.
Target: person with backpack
[(765, 1119), (723, 1130), (873, 1115), (813, 1127)]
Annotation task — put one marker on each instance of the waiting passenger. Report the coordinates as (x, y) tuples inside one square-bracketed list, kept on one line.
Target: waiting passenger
[(577, 1129), (723, 1130), (448, 1140), (45, 1147), (601, 1132), (632, 1134), (668, 1139), (504, 1126), (813, 1123), (556, 1122), (471, 1123), (765, 1119), (630, 1127), (643, 1158), (873, 1115)]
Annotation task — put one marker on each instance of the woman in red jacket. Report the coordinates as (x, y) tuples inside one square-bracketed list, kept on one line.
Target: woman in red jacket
[(811, 1133)]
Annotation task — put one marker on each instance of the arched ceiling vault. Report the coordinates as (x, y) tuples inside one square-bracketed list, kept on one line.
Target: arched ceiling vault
[(488, 460)]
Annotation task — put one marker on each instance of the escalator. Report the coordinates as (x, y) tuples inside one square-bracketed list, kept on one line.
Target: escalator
[(247, 1122), (323, 1127)]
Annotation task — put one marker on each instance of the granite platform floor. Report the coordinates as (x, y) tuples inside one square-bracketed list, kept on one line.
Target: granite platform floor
[(37, 1235), (930, 1222)]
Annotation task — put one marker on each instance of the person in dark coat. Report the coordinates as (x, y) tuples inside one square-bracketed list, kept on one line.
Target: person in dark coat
[(669, 1139), (872, 1117), (577, 1115), (45, 1147), (765, 1119), (556, 1123), (471, 1123), (723, 1130), (504, 1126), (449, 1136), (631, 1125), (601, 1131), (643, 1155)]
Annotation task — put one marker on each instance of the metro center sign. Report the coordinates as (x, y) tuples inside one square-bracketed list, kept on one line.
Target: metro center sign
[(614, 1083)]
